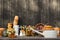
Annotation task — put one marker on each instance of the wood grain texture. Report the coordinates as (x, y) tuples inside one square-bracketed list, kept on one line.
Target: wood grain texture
[(30, 11), (29, 38)]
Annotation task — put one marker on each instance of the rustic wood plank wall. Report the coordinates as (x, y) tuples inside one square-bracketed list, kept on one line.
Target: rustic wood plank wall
[(30, 11)]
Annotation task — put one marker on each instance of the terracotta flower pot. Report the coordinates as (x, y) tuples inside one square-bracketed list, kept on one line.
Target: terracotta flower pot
[(48, 27), (1, 31)]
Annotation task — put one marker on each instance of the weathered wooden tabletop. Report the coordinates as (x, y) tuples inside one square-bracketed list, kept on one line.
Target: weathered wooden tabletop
[(29, 38)]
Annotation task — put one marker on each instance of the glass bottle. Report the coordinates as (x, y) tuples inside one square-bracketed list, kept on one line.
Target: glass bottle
[(28, 31), (22, 32)]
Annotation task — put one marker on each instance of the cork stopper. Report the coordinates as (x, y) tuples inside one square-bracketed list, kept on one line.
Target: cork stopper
[(16, 18)]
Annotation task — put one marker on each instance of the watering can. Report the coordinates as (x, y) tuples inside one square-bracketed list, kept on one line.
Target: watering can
[(46, 33)]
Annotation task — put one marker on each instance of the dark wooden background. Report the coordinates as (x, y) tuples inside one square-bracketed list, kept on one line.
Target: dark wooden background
[(30, 11)]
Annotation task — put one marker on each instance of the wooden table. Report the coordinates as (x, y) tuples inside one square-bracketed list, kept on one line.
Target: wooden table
[(29, 38)]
